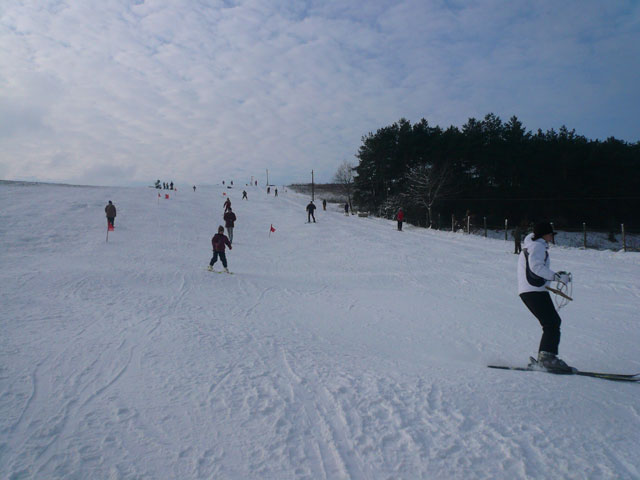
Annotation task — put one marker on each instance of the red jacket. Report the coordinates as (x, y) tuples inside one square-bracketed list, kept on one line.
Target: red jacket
[(219, 240), (400, 216)]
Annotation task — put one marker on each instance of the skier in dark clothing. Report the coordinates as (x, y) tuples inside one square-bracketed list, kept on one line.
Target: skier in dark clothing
[(229, 220), (324, 204), (517, 239), (110, 210), (346, 209), (227, 205), (218, 242), (310, 209), (534, 276), (244, 195)]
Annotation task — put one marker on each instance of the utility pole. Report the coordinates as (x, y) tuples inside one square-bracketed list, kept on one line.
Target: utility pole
[(267, 177), (312, 188)]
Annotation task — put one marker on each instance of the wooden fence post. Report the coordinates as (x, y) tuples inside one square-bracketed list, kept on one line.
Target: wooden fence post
[(584, 232), (453, 223), (468, 224), (506, 227), (624, 238), (485, 227)]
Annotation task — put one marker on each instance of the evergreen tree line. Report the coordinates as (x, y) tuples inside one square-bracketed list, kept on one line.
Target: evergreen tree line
[(498, 170)]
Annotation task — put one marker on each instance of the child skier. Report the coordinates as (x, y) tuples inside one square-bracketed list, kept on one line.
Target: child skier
[(534, 275), (218, 242)]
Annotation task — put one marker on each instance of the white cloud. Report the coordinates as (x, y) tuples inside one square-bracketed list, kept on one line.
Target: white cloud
[(199, 91)]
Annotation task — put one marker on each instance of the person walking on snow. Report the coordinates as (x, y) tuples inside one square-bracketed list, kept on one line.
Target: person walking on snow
[(244, 195), (229, 219), (346, 209), (400, 219), (310, 209), (218, 242), (110, 210), (227, 205), (517, 240), (534, 275), (324, 204)]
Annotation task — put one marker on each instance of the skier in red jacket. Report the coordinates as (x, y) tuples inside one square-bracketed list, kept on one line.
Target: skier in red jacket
[(218, 242), (400, 218)]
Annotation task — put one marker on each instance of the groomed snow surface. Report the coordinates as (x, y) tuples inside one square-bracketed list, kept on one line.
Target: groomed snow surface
[(338, 350)]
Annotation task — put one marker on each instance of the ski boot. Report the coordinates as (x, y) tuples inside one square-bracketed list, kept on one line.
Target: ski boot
[(551, 363)]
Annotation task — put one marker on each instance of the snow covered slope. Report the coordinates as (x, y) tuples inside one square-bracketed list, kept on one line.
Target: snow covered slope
[(340, 350)]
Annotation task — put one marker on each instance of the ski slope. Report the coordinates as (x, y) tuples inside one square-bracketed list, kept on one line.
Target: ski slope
[(338, 350)]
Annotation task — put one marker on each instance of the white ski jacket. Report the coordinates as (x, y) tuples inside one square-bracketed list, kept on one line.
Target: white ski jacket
[(534, 273)]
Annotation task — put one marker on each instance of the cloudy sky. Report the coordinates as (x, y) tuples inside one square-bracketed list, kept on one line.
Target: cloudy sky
[(114, 92)]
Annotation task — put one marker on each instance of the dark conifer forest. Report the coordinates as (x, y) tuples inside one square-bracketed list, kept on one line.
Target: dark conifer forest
[(489, 168)]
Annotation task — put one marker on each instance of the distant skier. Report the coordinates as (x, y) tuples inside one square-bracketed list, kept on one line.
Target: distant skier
[(194, 188), (268, 190), (218, 242), (227, 205), (534, 276), (229, 220), (400, 219), (310, 212), (244, 195), (346, 209), (110, 210), (324, 204), (276, 192), (171, 186), (517, 239)]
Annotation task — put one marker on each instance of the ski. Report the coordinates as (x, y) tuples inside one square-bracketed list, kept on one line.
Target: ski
[(618, 377)]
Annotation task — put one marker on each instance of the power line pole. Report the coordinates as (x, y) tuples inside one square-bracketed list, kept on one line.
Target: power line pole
[(312, 188), (267, 177)]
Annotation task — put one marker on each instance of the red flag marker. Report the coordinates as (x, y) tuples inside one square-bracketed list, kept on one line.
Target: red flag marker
[(166, 195)]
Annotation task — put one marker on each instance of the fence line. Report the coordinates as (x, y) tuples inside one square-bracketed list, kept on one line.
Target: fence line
[(628, 242)]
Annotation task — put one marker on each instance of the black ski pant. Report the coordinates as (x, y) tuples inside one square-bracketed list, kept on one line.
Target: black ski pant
[(400, 225), (541, 305), (111, 220), (310, 215), (222, 256)]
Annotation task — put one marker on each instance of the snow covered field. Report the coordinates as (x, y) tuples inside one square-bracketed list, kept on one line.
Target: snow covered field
[(338, 350)]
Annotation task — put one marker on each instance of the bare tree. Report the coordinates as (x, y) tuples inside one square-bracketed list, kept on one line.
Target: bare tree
[(344, 178), (427, 183)]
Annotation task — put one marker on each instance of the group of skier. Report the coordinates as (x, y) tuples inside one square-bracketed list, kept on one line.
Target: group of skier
[(534, 275)]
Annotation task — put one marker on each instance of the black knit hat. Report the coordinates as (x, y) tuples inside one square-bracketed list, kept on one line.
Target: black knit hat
[(541, 229)]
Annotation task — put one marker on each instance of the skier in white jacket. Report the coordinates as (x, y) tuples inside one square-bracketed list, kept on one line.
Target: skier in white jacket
[(534, 276)]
